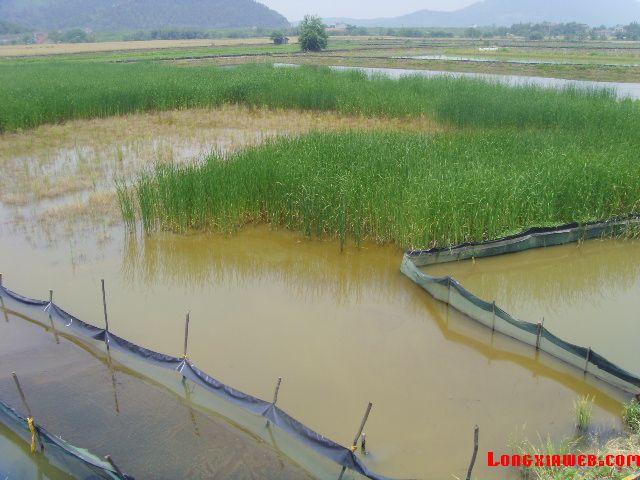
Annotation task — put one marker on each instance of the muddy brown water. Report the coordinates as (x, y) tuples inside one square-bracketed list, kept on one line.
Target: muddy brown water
[(586, 292), (342, 329)]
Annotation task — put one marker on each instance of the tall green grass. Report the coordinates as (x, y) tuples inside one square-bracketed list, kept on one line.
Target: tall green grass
[(33, 94), (414, 190), (521, 156)]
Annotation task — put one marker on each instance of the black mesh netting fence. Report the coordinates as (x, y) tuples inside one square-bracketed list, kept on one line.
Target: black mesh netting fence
[(83, 462), (450, 291)]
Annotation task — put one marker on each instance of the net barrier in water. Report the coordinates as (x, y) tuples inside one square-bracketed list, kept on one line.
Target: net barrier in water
[(450, 291), (323, 446), (77, 462)]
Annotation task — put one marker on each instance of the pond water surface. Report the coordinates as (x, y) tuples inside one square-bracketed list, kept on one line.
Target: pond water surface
[(342, 329)]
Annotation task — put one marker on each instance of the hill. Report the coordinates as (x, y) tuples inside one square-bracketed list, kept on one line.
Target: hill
[(117, 15), (508, 12)]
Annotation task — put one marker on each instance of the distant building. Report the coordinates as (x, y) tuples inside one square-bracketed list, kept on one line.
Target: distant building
[(337, 28), (281, 41)]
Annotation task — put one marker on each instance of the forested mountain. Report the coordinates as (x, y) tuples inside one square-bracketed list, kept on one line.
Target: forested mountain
[(508, 12), (117, 15)]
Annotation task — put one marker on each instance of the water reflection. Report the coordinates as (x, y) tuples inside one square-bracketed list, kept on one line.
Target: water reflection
[(309, 269), (314, 271)]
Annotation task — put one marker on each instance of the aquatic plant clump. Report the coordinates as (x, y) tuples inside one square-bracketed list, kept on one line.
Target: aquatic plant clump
[(583, 410), (631, 415), (413, 190)]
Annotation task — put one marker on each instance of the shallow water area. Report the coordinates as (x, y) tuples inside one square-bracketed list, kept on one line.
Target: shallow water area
[(587, 293), (342, 329), (622, 90), (522, 61)]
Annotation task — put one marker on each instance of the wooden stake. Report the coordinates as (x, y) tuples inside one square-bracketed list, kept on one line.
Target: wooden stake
[(186, 334), (0, 280), (104, 306), (27, 407), (476, 434), (362, 424), (493, 319), (357, 437), (540, 328), (363, 443), (50, 296), (275, 395)]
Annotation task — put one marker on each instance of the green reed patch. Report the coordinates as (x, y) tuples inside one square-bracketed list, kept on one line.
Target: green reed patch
[(414, 190), (49, 92)]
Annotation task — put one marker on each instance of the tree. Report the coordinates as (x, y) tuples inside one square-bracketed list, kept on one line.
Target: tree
[(313, 36), (279, 38)]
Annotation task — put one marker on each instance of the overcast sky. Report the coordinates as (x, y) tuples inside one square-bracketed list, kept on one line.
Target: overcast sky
[(296, 9)]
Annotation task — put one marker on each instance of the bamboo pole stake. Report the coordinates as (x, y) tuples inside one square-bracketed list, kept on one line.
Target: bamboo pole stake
[(354, 446), (275, 394), (186, 334), (104, 306), (493, 319), (35, 432), (476, 434), (362, 424), (540, 329)]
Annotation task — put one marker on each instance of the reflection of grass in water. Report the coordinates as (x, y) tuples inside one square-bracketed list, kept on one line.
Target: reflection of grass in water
[(554, 276), (311, 269)]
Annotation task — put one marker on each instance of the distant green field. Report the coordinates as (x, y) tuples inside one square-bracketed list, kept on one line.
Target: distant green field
[(39, 93)]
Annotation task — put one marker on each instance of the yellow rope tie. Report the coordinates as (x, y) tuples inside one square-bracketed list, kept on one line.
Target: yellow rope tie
[(353, 448), (34, 433)]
